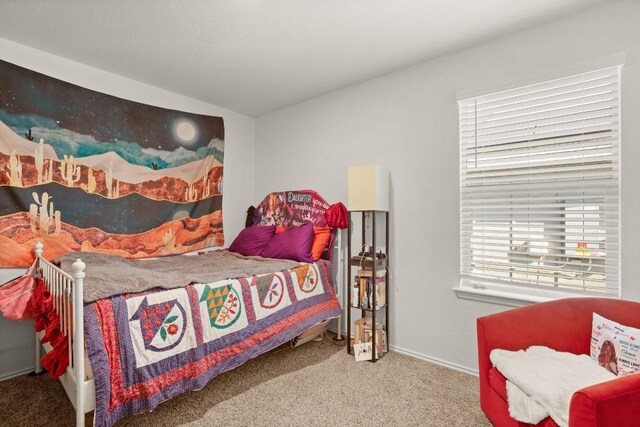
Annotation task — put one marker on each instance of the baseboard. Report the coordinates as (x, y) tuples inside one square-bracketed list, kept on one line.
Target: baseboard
[(426, 358), (16, 374), (435, 360)]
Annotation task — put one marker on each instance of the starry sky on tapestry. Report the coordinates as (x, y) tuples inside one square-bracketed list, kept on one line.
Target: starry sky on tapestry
[(30, 100)]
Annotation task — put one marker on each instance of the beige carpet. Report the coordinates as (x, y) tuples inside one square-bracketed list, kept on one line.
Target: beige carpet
[(315, 384)]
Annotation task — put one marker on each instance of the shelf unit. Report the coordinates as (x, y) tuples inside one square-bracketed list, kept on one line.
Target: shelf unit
[(375, 264)]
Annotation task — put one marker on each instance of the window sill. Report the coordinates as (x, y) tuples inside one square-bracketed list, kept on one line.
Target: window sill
[(510, 299), (505, 295)]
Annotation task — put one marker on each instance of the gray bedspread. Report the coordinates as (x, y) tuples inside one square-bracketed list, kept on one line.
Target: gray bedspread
[(109, 275)]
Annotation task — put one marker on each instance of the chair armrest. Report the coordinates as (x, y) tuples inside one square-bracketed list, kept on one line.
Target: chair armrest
[(614, 403)]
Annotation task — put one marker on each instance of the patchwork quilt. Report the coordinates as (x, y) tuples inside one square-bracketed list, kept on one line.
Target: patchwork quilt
[(147, 347)]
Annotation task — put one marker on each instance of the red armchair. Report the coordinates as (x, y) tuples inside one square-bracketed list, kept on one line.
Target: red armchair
[(563, 325)]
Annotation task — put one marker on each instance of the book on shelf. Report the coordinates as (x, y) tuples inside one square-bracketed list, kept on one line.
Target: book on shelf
[(362, 296)]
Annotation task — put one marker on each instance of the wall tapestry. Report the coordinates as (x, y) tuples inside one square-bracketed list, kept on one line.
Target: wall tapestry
[(85, 171)]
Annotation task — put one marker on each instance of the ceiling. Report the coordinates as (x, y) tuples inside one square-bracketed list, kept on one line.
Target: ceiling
[(257, 56)]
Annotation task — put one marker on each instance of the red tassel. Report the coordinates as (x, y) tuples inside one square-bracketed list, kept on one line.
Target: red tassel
[(38, 305), (57, 360), (52, 331)]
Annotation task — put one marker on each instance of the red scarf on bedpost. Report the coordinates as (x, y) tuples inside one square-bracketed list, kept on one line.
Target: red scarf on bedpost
[(47, 320)]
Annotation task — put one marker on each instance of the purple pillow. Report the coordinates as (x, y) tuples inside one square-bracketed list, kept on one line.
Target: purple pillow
[(251, 240), (294, 243)]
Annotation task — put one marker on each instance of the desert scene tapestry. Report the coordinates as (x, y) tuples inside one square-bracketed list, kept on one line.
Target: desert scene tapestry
[(84, 171)]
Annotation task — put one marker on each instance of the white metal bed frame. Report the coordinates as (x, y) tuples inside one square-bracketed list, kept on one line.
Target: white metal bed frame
[(67, 292)]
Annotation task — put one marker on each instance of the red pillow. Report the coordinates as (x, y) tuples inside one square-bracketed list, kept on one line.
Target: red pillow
[(321, 237)]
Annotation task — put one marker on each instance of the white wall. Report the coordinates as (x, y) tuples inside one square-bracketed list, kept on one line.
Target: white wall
[(408, 122), (17, 339)]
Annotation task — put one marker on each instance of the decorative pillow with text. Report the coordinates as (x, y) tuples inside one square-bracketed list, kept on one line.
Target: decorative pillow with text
[(614, 346)]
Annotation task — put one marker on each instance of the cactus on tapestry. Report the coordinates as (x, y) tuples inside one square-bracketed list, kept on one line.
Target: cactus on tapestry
[(69, 170), (113, 191), (190, 194), (44, 174), (49, 174), (43, 218), (38, 158), (15, 170), (206, 186), (169, 240), (91, 184)]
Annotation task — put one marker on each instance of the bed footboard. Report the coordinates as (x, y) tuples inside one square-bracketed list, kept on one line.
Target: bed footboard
[(67, 292)]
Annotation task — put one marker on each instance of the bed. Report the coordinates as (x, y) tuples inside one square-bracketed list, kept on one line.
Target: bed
[(175, 327)]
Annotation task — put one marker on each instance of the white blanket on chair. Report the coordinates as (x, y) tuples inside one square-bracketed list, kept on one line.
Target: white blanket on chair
[(541, 381)]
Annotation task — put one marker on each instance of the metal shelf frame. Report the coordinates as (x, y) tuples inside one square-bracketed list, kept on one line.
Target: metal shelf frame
[(375, 266)]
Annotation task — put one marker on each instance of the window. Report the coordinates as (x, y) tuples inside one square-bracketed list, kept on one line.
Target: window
[(539, 187)]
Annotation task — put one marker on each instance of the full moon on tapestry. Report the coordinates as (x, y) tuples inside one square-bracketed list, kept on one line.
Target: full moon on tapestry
[(84, 171)]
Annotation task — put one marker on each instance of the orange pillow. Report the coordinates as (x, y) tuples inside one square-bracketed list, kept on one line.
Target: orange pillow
[(321, 236)]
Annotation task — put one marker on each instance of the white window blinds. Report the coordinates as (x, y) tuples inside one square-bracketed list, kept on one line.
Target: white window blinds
[(539, 185)]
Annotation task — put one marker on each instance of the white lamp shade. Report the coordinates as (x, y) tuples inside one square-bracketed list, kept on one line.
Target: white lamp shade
[(368, 188)]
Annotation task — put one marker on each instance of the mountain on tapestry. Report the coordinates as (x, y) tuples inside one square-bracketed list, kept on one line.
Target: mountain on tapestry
[(82, 170)]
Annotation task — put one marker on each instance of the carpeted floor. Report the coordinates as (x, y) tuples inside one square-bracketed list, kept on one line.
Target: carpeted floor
[(315, 384)]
